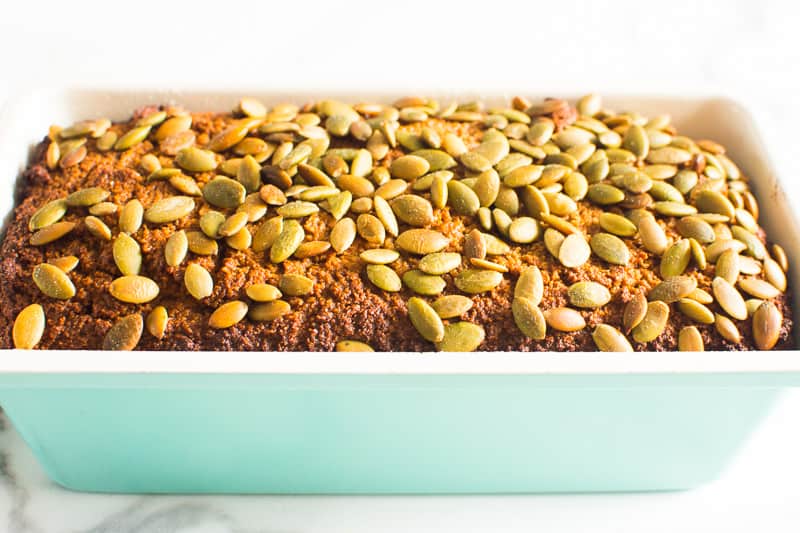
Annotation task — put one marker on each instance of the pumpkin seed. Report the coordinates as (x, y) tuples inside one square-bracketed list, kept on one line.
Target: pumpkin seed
[(753, 246), (97, 228), (104, 143), (296, 285), (353, 346), (370, 229), (134, 289), (617, 225), (634, 311), (696, 228), (409, 167), (474, 281), (758, 288), (653, 323), (198, 281), (523, 230), (413, 210), (269, 311), (462, 199), (211, 222), (87, 197), (439, 263), (68, 263), (132, 137), (127, 254), (175, 249), (474, 244), (636, 141), (384, 277), (588, 295), (391, 189), (522, 176), (52, 155), (48, 214), (425, 320), (263, 292), (727, 328), (727, 266), (267, 233), (461, 337), (729, 298), (53, 282), (609, 339), (774, 274), (290, 237), (51, 233), (224, 192), (125, 333), (708, 201), (340, 204), (716, 248), (199, 244), (673, 289), (169, 209), (156, 322), (530, 285), (343, 234), (552, 241), (173, 126), (232, 135), (421, 241), (673, 209), (696, 311), (574, 251), (228, 314), (690, 340), (676, 259), (604, 194), (28, 327), (767, 321), (668, 155), (529, 318), (560, 224), (780, 257), (564, 319), (652, 235), (452, 305), (500, 219), (610, 248), (379, 256), (422, 283)]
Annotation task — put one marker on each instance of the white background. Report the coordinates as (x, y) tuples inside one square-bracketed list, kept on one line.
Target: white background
[(745, 49)]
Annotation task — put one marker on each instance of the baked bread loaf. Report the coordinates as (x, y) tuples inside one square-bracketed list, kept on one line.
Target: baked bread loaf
[(414, 226)]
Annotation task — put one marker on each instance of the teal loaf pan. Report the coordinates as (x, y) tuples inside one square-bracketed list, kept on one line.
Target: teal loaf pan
[(390, 423)]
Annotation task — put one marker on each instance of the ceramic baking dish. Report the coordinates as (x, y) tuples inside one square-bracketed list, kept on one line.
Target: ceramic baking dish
[(389, 423)]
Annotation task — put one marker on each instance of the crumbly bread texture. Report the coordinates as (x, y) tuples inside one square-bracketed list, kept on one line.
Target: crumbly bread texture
[(343, 303)]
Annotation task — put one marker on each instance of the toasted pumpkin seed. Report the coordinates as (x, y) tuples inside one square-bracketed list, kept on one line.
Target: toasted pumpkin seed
[(413, 210), (134, 289), (452, 305), (609, 339), (156, 322), (530, 285), (653, 324), (353, 346), (228, 314), (461, 337), (269, 311), (474, 281), (727, 266), (676, 259), (634, 311), (263, 292), (48, 214), (198, 281), (384, 277), (690, 340), (673, 289), (709, 201), (574, 251), (296, 285), (652, 235), (696, 311), (440, 263), (729, 298), (529, 318), (564, 319), (617, 225), (727, 328), (753, 246), (774, 274), (523, 230), (51, 233), (97, 228), (379, 256), (422, 283), (87, 197), (103, 209), (409, 167), (132, 137), (610, 248), (287, 242), (588, 295), (267, 233), (199, 244), (604, 194), (224, 192), (53, 282), (421, 241), (125, 333), (28, 327), (67, 263), (169, 209), (758, 288), (127, 254), (767, 321), (425, 320), (175, 249)]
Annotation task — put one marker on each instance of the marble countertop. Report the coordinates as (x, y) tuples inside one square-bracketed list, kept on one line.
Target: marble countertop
[(738, 48)]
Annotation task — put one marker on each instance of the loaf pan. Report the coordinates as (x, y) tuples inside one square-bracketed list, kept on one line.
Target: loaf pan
[(243, 422)]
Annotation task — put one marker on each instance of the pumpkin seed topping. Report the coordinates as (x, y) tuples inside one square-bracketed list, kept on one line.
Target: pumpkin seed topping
[(28, 327), (125, 333)]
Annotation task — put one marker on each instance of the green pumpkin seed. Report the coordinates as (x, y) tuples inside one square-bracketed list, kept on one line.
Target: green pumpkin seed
[(298, 209), (169, 209), (652, 235), (68, 263), (124, 335), (564, 319), (588, 295), (370, 229), (127, 254), (53, 282), (439, 263), (653, 324), (553, 240), (673, 289), (696, 228), (194, 159), (474, 281), (249, 174), (421, 241), (696, 311), (669, 155), (132, 137), (617, 225), (28, 327), (523, 230), (413, 210), (530, 285), (339, 205), (409, 167), (48, 214), (462, 199), (296, 285), (228, 314), (708, 201), (452, 305), (609, 339), (634, 312), (767, 322), (535, 202), (87, 197), (576, 186), (130, 216), (232, 135), (287, 242), (461, 337), (425, 320), (676, 259), (134, 289), (774, 274), (727, 266), (636, 141), (176, 247), (353, 346), (343, 234), (522, 176), (211, 222), (529, 318), (690, 340), (610, 248), (604, 194), (379, 256), (422, 283), (574, 251), (269, 311), (716, 248), (753, 246), (97, 228), (500, 219), (263, 292), (224, 192), (758, 288), (198, 281), (437, 159), (729, 298), (384, 278), (663, 191), (727, 329), (673, 209), (51, 233), (199, 244)]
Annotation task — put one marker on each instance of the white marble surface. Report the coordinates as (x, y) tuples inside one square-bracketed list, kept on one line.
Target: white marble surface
[(749, 50)]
